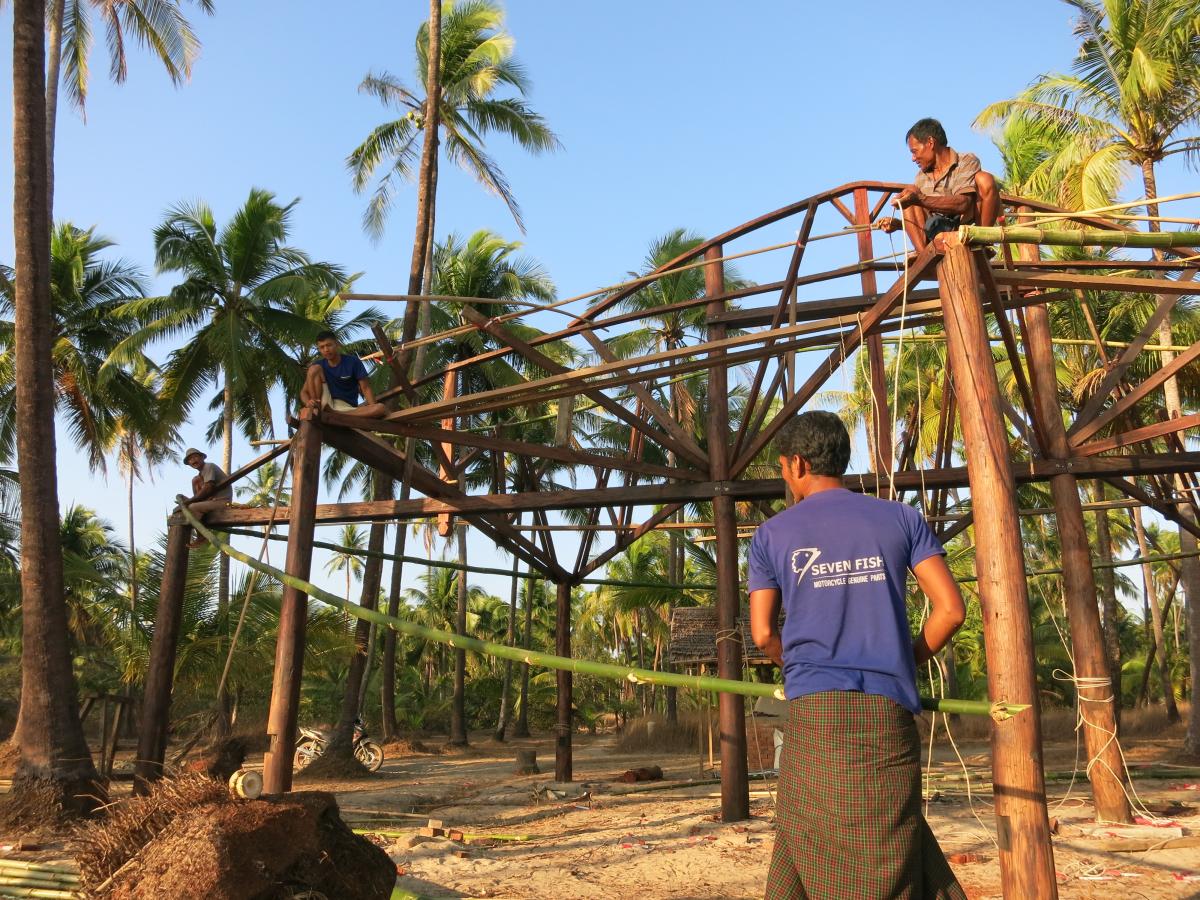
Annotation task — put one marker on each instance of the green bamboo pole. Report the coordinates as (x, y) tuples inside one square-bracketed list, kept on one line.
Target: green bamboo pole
[(999, 710), (1084, 237)]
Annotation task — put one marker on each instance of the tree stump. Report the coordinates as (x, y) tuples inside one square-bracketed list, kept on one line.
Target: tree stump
[(527, 762)]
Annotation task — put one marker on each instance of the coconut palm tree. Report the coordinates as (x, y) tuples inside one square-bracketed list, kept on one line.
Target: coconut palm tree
[(349, 559), (1134, 96), (96, 397), (484, 266), (158, 25), (477, 64), (232, 306), (49, 738)]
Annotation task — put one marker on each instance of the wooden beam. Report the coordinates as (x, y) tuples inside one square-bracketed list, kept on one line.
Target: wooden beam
[(293, 610), (1085, 430), (1145, 433), (506, 445), (665, 420), (868, 320), (1068, 281), (1096, 686), (565, 724), (367, 448), (1025, 849), (731, 711), (544, 362), (160, 672), (624, 541), (1166, 510), (1024, 471), (1115, 373)]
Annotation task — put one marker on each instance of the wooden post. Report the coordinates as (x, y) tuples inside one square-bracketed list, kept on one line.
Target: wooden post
[(562, 647), (1023, 830), (880, 421), (735, 785), (1096, 688), (156, 701), (293, 610)]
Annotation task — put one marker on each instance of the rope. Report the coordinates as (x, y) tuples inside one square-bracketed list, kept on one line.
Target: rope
[(1096, 211), (237, 632), (1095, 683), (460, 330)]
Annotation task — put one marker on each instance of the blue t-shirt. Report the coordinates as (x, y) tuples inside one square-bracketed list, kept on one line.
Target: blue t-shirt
[(343, 378), (841, 562)]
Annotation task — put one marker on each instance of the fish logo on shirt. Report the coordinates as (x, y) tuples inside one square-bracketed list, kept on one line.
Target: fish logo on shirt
[(800, 564)]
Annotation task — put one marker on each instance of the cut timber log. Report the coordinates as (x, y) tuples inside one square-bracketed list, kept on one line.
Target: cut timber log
[(527, 763)]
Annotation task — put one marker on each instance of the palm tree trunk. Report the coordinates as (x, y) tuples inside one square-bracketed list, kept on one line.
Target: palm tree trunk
[(133, 578), (458, 708), (53, 68), (433, 94), (341, 742), (388, 674), (366, 677), (521, 729), (48, 735), (1108, 595), (222, 724), (506, 689), (1189, 568), (1156, 619)]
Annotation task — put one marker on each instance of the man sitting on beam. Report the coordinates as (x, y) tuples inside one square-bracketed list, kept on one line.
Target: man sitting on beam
[(338, 380), (950, 189)]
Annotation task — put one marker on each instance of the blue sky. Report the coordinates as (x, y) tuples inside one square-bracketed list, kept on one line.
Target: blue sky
[(700, 114)]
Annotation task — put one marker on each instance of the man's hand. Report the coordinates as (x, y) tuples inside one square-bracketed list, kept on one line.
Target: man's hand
[(764, 623), (889, 224), (910, 196)]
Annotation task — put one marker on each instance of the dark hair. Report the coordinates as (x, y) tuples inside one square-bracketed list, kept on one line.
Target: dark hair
[(924, 129), (818, 437), (326, 335)]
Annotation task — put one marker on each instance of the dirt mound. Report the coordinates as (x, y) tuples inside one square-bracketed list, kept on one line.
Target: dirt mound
[(220, 760), (401, 748), (468, 751), (191, 839), (10, 755), (333, 767)]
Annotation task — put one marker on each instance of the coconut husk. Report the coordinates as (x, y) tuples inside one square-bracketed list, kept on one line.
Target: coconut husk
[(191, 838)]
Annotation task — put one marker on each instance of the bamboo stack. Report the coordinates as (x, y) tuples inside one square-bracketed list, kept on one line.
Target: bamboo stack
[(43, 880)]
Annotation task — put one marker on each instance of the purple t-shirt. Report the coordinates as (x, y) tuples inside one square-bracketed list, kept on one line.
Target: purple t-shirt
[(841, 562)]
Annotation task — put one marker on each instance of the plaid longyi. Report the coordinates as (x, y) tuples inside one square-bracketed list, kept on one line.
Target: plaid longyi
[(848, 814)]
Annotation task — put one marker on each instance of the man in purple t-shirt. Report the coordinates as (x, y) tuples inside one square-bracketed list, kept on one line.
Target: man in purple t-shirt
[(849, 810)]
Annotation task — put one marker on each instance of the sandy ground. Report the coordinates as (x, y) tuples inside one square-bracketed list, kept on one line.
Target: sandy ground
[(668, 842), (601, 838)]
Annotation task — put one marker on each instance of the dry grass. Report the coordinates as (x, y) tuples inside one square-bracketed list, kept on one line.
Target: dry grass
[(655, 734), (129, 825)]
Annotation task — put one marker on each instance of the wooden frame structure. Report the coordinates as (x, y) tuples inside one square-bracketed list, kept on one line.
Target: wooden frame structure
[(749, 354)]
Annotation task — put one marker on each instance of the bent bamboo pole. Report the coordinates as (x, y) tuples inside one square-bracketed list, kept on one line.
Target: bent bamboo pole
[(999, 710), (1084, 237)]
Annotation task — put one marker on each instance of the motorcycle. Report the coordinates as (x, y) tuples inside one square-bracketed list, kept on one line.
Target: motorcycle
[(312, 744)]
